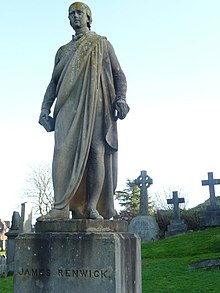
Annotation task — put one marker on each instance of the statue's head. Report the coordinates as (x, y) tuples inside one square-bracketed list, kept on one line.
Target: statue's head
[(83, 12)]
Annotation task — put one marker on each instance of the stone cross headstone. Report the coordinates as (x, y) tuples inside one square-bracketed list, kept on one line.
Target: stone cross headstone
[(143, 182), (211, 182), (211, 215), (143, 225), (177, 225), (176, 201)]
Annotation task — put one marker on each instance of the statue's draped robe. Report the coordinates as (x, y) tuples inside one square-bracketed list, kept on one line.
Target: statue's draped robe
[(83, 78)]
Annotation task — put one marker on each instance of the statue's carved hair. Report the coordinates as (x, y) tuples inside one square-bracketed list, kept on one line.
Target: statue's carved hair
[(88, 11)]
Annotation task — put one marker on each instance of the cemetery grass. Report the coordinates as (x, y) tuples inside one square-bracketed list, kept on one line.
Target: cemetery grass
[(6, 285), (165, 263)]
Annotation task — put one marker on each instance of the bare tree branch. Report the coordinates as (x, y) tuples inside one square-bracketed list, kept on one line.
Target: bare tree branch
[(40, 189)]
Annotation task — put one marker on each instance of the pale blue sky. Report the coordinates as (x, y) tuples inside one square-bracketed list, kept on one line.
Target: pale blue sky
[(170, 53)]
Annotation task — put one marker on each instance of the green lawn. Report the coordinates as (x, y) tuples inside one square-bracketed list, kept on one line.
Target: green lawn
[(6, 285), (165, 264)]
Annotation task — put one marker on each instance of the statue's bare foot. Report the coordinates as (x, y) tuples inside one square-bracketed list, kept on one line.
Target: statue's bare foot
[(110, 213), (55, 214), (93, 214)]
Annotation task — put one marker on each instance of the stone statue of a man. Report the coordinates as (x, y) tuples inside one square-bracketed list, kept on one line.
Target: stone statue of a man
[(89, 87)]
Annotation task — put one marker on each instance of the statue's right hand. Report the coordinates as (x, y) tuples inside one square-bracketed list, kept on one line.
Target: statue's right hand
[(44, 114), (46, 121)]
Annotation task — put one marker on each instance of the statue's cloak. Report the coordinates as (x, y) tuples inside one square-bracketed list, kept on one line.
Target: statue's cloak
[(84, 77)]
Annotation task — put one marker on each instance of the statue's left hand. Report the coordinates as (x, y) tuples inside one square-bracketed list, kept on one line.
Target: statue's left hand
[(121, 108)]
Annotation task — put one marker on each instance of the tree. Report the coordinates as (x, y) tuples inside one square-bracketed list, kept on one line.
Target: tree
[(129, 200), (40, 189)]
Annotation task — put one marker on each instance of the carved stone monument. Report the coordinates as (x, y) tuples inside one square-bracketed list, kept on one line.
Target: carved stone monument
[(143, 225), (26, 217), (3, 266), (211, 214), (177, 225), (20, 224), (3, 231), (89, 88), (13, 232), (89, 253)]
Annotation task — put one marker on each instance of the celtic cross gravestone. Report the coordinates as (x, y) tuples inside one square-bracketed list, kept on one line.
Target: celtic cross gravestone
[(143, 182), (144, 225)]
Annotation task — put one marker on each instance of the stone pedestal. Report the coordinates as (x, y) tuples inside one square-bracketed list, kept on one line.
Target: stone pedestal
[(80, 256), (176, 227), (145, 227), (10, 251), (211, 217)]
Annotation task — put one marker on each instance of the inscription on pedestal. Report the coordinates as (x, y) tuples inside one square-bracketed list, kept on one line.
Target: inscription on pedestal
[(74, 273)]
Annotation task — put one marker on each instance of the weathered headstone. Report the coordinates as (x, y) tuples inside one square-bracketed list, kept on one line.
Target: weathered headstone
[(211, 214), (16, 222), (26, 217), (177, 225), (3, 266), (13, 232), (3, 230), (20, 224), (143, 225)]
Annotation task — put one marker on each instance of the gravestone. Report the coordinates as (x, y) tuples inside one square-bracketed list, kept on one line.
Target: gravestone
[(143, 182), (26, 217), (20, 224), (2, 235), (143, 225), (13, 232), (211, 214), (3, 266), (78, 255), (177, 225)]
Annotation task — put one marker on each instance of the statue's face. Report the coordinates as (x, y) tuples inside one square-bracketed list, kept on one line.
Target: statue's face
[(78, 16)]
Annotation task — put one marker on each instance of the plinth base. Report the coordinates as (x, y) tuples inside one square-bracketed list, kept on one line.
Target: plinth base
[(11, 235), (211, 217), (145, 227), (176, 227), (79, 262)]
